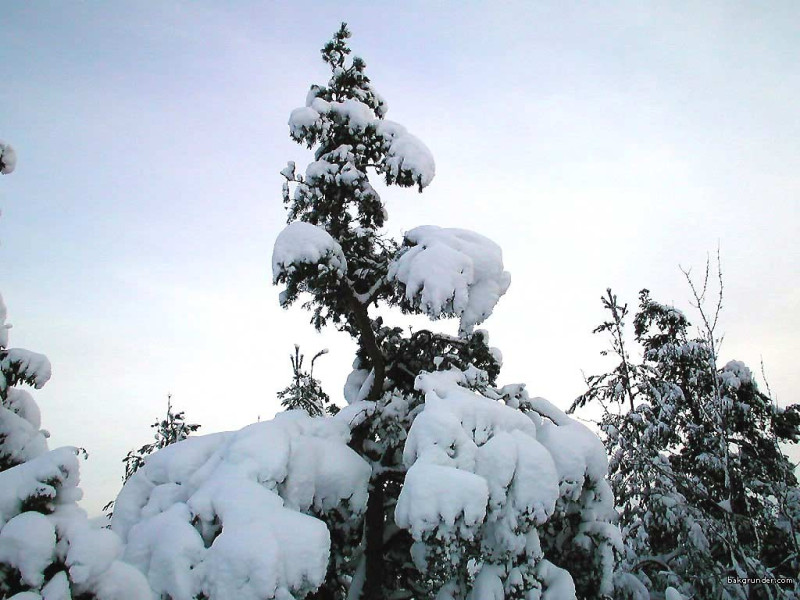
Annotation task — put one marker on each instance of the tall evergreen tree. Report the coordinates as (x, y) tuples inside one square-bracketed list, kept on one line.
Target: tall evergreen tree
[(333, 250), (706, 496), (433, 481)]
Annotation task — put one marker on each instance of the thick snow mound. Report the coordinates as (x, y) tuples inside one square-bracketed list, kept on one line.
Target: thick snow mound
[(484, 450), (28, 543), (577, 451), (301, 243), (42, 528), (8, 158), (235, 515), (451, 272), (21, 441), (434, 497), (735, 374)]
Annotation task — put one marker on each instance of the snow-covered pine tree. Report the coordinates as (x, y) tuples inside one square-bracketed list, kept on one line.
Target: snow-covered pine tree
[(169, 430), (704, 491), (433, 482), (48, 549), (305, 392)]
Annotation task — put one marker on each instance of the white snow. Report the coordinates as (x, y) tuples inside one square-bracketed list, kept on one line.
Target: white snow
[(357, 385), (21, 440), (451, 272), (31, 366), (433, 497), (406, 153), (29, 479), (576, 450), (57, 588), (27, 543), (407, 158), (32, 541), (301, 120), (231, 515), (474, 456), (301, 243), (8, 158), (558, 584), (672, 594), (23, 404), (91, 553), (735, 374)]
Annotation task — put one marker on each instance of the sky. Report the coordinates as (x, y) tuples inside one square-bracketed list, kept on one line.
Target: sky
[(600, 144)]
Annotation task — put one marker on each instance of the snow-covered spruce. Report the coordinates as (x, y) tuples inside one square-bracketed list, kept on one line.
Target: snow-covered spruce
[(48, 548), (703, 488), (433, 482)]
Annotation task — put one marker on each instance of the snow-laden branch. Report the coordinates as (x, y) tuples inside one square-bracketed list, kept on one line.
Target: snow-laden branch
[(304, 243), (451, 272)]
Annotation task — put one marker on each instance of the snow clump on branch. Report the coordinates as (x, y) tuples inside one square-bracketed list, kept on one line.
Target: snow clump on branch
[(451, 272)]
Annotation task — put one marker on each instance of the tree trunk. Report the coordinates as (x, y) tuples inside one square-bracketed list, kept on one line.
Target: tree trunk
[(374, 526)]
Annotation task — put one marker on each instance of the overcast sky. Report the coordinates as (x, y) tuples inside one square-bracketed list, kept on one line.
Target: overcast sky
[(600, 144)]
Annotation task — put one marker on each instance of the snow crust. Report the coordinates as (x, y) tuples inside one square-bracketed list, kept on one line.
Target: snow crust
[(304, 243), (451, 272), (8, 158), (237, 514)]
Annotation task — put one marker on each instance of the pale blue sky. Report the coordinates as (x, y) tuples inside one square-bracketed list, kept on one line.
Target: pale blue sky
[(600, 145)]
